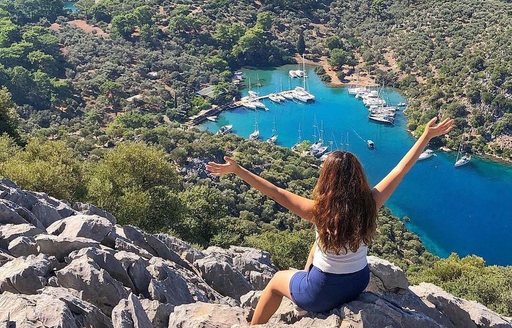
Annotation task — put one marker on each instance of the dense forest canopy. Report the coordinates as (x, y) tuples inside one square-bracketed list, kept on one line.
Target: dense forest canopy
[(113, 81)]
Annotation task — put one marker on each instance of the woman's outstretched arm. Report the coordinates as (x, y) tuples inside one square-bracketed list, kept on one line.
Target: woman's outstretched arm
[(301, 206), (384, 189)]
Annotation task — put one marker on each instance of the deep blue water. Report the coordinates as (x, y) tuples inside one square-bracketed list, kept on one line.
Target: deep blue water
[(467, 210)]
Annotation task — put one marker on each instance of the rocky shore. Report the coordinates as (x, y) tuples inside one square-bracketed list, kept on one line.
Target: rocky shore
[(73, 266)]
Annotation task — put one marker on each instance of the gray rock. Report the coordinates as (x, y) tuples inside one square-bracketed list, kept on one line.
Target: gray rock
[(90, 209), (207, 315), (461, 313), (369, 310), (11, 192), (250, 300), (136, 268), (385, 276), (175, 244), (107, 260), (5, 257), (175, 285), (254, 264), (9, 232), (95, 284), (60, 246), (87, 226), (61, 207), (25, 274), (36, 311), (8, 213), (85, 314), (123, 244), (129, 313), (158, 313), (23, 246), (223, 277), (45, 213), (151, 244)]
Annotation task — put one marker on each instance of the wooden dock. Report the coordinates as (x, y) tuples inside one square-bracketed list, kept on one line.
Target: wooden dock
[(215, 110)]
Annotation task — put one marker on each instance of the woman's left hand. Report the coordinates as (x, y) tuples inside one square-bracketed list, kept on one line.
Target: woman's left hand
[(220, 169)]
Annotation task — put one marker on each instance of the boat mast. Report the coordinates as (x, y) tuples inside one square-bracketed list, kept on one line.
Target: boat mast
[(304, 72)]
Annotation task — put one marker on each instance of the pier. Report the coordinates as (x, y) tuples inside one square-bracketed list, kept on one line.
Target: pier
[(215, 110)]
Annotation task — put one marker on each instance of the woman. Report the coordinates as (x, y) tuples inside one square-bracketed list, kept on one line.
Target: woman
[(344, 211)]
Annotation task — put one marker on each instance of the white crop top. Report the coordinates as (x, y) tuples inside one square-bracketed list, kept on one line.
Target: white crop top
[(348, 262)]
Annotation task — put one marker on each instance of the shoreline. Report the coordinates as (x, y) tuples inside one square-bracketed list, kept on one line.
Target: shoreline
[(368, 81)]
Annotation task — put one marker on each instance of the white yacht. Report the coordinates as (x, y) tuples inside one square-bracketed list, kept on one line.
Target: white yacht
[(274, 98), (287, 95), (426, 154), (463, 160), (212, 118), (382, 118), (355, 90), (225, 129), (301, 94), (249, 104)]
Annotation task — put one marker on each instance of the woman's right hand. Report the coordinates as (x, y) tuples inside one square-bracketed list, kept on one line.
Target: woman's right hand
[(220, 169), (432, 130)]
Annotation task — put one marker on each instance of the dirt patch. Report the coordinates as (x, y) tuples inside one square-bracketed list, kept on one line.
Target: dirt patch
[(87, 28), (358, 77)]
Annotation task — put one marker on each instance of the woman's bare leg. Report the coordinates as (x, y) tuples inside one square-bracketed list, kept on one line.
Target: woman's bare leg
[(272, 296)]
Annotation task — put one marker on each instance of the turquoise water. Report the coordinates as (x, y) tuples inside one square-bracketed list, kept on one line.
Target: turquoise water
[(467, 210), (71, 6)]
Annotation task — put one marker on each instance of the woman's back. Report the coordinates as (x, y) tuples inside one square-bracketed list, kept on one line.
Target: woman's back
[(345, 262)]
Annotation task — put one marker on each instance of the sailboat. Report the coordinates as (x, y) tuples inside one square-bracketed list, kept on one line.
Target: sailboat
[(462, 160), (272, 140), (256, 134), (300, 93), (299, 140)]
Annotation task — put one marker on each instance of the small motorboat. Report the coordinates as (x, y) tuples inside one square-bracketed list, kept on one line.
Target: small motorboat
[(426, 154), (225, 129), (371, 144)]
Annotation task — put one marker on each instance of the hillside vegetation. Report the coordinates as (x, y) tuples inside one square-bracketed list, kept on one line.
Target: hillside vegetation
[(91, 103)]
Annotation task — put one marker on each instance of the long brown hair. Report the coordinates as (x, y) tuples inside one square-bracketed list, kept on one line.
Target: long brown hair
[(345, 212)]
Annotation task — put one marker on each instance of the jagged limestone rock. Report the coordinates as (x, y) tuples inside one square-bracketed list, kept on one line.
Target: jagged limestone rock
[(385, 276), (85, 314), (158, 313), (461, 313), (36, 311), (136, 268), (223, 277), (129, 313), (25, 274), (5, 257), (95, 284), (8, 232), (23, 246), (207, 315), (60, 246), (90, 209), (106, 259), (87, 226), (8, 213)]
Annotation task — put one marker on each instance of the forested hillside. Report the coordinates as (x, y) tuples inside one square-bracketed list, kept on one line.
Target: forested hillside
[(84, 93)]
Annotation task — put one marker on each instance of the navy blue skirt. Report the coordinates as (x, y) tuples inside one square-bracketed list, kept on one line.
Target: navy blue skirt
[(318, 291)]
